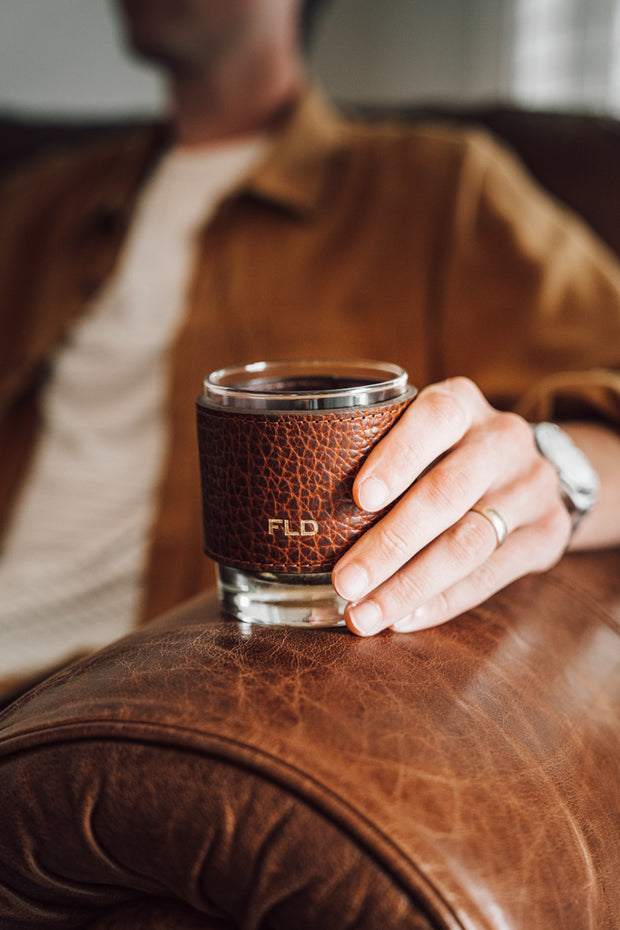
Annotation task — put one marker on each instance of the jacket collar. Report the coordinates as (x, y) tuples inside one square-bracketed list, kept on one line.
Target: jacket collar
[(292, 175), (295, 171)]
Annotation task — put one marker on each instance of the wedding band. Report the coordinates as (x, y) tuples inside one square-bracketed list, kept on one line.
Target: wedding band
[(496, 520)]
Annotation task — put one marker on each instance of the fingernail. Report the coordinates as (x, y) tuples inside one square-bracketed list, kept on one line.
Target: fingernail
[(372, 493), (418, 620), (351, 581), (365, 617)]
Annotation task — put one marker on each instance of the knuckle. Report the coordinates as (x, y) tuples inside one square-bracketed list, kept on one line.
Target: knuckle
[(466, 392), (549, 561), (460, 384), (505, 434), (542, 471), (446, 408), (548, 557), (559, 530), (447, 488), (544, 477), (549, 538), (485, 578), (549, 480), (469, 540), (408, 589), (516, 428), (394, 542)]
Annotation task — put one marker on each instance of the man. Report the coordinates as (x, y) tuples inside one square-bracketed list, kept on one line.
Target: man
[(264, 226)]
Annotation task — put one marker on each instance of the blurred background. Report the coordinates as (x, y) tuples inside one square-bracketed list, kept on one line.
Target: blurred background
[(64, 57)]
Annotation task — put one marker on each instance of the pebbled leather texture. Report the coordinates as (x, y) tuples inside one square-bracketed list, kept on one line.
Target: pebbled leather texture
[(206, 773), (277, 487)]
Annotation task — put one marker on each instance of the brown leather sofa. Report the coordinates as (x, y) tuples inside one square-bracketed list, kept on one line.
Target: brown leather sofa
[(204, 774), (201, 774)]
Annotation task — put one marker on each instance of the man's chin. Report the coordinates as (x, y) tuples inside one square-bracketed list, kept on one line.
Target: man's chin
[(155, 31), (162, 51)]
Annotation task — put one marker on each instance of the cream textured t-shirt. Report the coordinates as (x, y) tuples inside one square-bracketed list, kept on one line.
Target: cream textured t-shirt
[(71, 567)]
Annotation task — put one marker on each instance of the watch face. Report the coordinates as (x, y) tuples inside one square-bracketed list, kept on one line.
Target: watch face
[(577, 477)]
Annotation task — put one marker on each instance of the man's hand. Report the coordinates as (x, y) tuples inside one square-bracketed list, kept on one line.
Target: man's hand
[(431, 557)]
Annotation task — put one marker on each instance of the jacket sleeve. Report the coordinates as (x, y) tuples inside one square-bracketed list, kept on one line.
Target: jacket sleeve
[(530, 305)]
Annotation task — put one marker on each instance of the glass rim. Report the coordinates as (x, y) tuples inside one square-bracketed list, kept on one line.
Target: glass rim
[(244, 386)]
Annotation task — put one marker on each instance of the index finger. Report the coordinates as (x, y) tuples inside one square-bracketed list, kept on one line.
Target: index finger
[(437, 419)]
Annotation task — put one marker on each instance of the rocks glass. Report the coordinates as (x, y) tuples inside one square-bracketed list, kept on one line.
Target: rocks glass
[(280, 444)]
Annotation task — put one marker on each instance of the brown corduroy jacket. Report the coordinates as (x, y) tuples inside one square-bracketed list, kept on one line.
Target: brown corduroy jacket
[(425, 246)]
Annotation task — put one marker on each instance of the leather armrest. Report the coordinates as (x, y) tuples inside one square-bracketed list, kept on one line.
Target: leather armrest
[(201, 773)]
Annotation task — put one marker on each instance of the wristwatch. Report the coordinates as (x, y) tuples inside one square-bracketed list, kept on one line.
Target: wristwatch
[(579, 482)]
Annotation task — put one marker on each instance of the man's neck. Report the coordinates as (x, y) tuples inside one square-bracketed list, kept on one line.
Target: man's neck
[(210, 109)]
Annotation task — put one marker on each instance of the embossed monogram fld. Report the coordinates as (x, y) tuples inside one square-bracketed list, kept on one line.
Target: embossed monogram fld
[(306, 527)]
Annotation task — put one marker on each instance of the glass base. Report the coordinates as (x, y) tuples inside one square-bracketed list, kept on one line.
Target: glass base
[(308, 601)]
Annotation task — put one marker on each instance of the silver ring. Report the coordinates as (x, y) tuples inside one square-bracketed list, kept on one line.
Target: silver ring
[(496, 520)]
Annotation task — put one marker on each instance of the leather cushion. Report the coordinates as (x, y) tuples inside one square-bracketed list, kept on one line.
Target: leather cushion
[(204, 773)]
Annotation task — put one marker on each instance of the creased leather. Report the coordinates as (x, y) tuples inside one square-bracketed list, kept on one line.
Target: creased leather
[(277, 488), (203, 772)]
